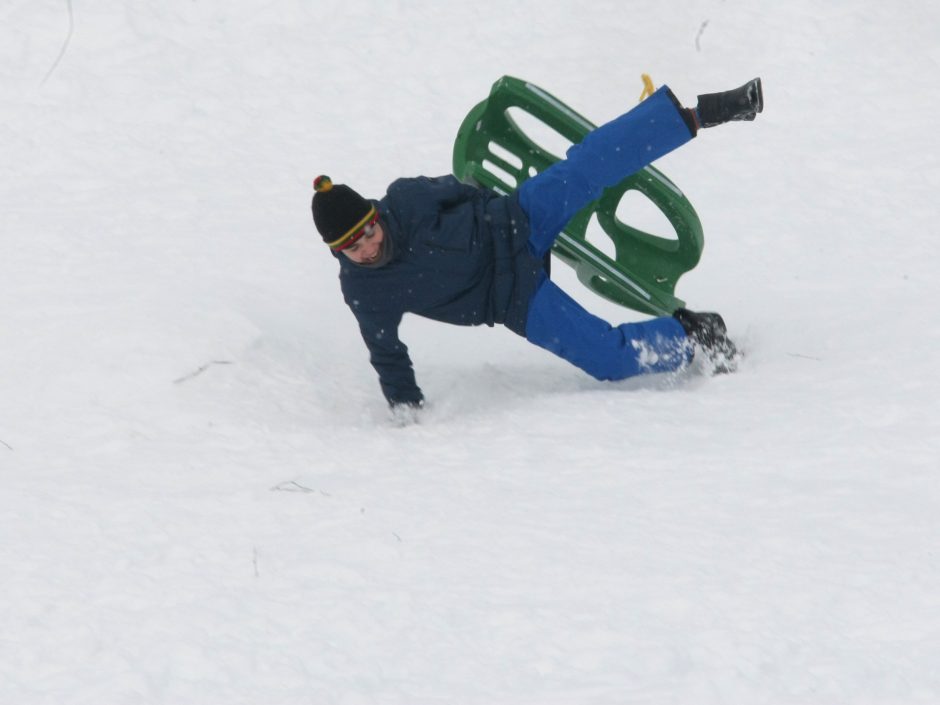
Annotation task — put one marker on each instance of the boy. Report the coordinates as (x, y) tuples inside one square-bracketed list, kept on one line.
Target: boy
[(465, 255)]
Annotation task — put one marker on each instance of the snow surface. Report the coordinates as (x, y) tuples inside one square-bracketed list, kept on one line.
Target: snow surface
[(203, 498)]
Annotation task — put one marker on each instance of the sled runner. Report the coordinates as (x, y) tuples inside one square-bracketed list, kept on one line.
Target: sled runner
[(493, 150)]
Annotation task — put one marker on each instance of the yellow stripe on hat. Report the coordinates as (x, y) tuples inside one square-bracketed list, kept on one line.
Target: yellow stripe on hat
[(352, 231)]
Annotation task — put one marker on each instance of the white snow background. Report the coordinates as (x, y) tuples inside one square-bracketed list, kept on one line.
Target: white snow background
[(202, 497)]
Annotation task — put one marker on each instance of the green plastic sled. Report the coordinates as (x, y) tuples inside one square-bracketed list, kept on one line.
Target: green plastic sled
[(491, 150)]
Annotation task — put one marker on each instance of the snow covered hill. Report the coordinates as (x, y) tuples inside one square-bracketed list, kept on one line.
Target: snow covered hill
[(202, 498)]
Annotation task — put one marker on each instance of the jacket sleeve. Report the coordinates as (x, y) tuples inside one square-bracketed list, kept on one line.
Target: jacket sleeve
[(389, 357)]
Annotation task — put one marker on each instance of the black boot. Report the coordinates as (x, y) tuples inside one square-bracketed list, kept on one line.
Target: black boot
[(740, 104), (708, 332)]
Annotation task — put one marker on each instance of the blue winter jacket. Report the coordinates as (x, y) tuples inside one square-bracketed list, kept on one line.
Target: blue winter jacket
[(460, 256)]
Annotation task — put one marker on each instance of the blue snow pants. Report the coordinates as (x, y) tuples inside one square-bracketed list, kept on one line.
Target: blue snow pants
[(606, 156)]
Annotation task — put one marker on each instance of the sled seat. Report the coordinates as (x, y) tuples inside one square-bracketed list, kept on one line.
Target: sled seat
[(493, 151)]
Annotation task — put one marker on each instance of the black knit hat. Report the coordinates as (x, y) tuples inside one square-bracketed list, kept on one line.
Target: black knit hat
[(339, 213)]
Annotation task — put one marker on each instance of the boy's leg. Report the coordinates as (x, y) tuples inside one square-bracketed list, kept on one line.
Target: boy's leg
[(559, 324), (606, 156)]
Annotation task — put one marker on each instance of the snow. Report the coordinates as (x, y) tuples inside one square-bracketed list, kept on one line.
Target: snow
[(203, 497)]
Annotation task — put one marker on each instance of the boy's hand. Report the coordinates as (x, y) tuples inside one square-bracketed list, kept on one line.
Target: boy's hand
[(406, 413)]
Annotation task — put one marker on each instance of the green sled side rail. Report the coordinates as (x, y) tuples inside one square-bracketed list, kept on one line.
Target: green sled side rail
[(493, 151)]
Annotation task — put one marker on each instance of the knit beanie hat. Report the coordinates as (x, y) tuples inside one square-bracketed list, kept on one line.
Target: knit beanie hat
[(340, 213)]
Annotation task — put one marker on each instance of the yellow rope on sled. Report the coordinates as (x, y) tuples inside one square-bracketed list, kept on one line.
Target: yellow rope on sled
[(648, 88)]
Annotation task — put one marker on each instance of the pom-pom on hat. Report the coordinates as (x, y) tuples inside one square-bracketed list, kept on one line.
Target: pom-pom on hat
[(339, 213)]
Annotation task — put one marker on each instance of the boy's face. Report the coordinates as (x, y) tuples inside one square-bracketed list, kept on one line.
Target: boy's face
[(367, 248)]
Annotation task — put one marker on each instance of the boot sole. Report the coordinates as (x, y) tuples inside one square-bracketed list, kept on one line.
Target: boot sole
[(757, 102)]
